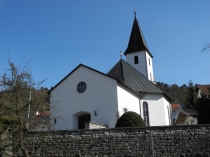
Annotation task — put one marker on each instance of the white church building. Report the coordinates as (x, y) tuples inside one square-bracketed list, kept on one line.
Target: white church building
[(86, 94)]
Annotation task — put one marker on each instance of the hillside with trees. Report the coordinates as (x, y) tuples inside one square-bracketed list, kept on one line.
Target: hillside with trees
[(187, 96), (177, 93)]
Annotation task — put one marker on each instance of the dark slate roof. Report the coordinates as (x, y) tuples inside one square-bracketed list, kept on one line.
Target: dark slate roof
[(191, 112), (132, 78), (137, 41)]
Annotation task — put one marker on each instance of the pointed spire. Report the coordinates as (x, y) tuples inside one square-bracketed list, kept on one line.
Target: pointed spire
[(137, 41)]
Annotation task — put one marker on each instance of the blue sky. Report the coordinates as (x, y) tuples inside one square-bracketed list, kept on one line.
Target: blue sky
[(58, 35)]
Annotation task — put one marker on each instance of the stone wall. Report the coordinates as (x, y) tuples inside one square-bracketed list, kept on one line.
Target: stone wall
[(170, 141)]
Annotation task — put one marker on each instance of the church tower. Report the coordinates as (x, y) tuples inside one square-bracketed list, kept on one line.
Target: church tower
[(137, 53)]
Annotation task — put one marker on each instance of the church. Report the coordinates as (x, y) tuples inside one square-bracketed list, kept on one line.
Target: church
[(88, 95)]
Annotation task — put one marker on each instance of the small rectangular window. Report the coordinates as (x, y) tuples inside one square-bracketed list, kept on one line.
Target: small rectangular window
[(136, 60), (149, 60)]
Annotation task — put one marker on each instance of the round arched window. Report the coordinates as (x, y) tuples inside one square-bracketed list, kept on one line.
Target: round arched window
[(81, 87)]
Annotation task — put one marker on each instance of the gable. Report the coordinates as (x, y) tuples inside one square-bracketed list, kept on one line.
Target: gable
[(79, 67), (204, 88)]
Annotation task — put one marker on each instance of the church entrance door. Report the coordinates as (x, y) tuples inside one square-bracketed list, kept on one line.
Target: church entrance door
[(82, 119)]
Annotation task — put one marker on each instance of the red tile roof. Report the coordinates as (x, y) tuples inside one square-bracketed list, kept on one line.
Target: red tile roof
[(204, 88), (175, 105), (43, 113)]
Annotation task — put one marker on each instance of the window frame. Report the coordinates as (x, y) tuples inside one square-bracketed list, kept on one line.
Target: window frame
[(146, 113), (81, 87), (136, 60)]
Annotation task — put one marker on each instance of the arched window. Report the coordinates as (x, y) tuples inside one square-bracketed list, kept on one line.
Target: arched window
[(136, 60), (146, 113)]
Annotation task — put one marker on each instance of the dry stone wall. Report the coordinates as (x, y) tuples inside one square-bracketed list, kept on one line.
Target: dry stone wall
[(170, 141)]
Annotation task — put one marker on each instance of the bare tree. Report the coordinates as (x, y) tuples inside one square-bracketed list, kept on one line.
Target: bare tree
[(206, 47), (20, 98)]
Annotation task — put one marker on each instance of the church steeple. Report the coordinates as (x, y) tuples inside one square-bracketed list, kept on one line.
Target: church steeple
[(137, 41), (137, 53)]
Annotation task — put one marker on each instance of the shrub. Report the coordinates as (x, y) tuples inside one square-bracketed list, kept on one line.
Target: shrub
[(130, 119), (6, 122)]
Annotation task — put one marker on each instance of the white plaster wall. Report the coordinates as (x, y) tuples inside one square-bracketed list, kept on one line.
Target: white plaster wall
[(168, 112), (41, 127), (142, 65), (190, 120), (157, 105), (100, 96), (127, 100)]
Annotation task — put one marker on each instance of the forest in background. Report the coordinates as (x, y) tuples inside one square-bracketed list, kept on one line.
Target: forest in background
[(177, 93)]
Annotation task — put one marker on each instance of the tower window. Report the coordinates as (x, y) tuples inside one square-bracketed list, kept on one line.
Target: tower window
[(136, 60), (149, 60), (146, 113)]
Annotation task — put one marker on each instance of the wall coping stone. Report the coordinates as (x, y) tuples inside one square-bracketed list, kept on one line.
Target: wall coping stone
[(130, 129)]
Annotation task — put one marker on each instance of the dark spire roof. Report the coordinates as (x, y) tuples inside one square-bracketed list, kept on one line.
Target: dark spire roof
[(132, 78), (137, 41)]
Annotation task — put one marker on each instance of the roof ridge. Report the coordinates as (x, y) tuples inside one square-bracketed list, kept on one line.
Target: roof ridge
[(122, 69), (74, 71), (132, 78), (202, 84), (142, 75)]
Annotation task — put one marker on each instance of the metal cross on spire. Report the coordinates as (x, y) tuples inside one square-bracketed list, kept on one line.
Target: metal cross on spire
[(120, 54)]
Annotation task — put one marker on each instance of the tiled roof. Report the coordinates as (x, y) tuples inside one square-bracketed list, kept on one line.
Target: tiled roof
[(204, 88), (44, 113), (175, 105), (137, 41), (132, 78), (191, 112)]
